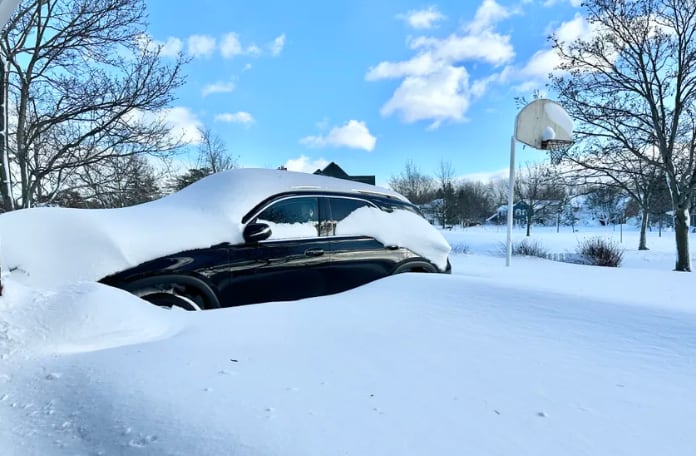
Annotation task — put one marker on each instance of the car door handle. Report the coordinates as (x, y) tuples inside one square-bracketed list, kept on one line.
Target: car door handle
[(314, 252)]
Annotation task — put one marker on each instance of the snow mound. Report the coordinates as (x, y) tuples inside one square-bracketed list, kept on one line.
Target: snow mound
[(81, 317)]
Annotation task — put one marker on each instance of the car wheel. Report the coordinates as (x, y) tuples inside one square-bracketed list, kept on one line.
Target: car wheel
[(170, 300), (415, 266)]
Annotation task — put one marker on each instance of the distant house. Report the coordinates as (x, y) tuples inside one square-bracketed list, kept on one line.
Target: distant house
[(333, 170), (519, 214), (544, 213), (430, 210)]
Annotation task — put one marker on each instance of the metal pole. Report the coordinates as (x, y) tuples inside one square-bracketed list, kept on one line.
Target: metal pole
[(511, 195)]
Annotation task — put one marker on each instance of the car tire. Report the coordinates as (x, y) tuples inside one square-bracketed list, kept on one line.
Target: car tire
[(170, 300), (415, 266)]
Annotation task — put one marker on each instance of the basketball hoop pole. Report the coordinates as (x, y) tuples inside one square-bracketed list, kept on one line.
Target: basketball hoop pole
[(542, 124), (511, 196)]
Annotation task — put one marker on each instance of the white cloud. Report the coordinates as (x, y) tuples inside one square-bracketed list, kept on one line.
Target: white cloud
[(420, 65), (218, 87), (247, 67), (435, 83), (439, 96), (305, 165), (541, 64), (145, 42), (573, 3), (353, 134), (240, 117), (545, 61), (230, 46), (172, 47), (422, 19), (201, 45), (277, 45), (486, 46), (486, 177), (253, 49), (577, 28), (183, 124), (487, 15)]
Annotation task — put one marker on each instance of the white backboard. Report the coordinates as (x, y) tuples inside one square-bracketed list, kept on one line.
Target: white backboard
[(542, 120)]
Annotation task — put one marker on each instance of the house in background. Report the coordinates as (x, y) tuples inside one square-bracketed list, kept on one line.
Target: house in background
[(519, 214), (333, 170), (544, 212)]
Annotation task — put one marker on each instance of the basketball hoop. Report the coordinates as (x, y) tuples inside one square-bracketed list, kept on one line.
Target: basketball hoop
[(557, 149), (542, 124)]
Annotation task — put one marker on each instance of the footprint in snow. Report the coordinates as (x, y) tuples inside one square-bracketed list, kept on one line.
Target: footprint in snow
[(143, 441)]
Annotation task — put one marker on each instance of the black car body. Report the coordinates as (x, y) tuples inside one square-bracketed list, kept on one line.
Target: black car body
[(291, 250)]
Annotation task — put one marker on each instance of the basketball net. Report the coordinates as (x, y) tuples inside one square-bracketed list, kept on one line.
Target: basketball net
[(557, 148)]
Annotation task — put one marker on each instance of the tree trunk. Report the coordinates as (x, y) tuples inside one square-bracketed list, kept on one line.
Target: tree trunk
[(558, 222), (643, 243), (5, 176), (681, 234), (529, 223), (6, 191)]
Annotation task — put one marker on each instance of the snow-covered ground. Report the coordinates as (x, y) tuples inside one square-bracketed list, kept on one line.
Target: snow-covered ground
[(542, 358)]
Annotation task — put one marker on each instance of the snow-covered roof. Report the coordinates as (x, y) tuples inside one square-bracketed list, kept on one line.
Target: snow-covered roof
[(99, 242)]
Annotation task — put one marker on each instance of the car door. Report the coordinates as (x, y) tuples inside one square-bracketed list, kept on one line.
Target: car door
[(356, 257), (286, 266)]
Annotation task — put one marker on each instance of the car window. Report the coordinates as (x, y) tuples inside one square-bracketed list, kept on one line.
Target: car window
[(292, 218), (341, 208), (406, 207)]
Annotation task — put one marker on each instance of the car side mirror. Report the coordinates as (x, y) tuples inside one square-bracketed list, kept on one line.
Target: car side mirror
[(256, 232)]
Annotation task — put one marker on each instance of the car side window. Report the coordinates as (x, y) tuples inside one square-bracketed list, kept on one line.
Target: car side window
[(292, 218), (341, 209)]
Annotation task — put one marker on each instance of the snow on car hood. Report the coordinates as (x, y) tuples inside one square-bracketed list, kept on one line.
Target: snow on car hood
[(48, 246)]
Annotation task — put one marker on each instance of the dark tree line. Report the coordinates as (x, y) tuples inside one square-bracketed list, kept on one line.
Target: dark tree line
[(549, 194)]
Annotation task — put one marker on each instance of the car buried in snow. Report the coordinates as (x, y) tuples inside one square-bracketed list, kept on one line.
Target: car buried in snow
[(238, 237), (303, 236)]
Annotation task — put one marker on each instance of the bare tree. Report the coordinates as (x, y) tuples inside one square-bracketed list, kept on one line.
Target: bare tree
[(115, 182), (212, 157), (606, 203), (213, 154), (498, 189), (539, 188), (447, 199), (474, 202), (85, 84), (632, 85), (413, 184), (602, 165)]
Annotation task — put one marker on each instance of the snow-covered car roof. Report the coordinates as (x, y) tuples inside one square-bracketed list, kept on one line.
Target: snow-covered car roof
[(88, 244)]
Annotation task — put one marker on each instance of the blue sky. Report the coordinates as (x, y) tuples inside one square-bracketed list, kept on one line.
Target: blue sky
[(367, 84)]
